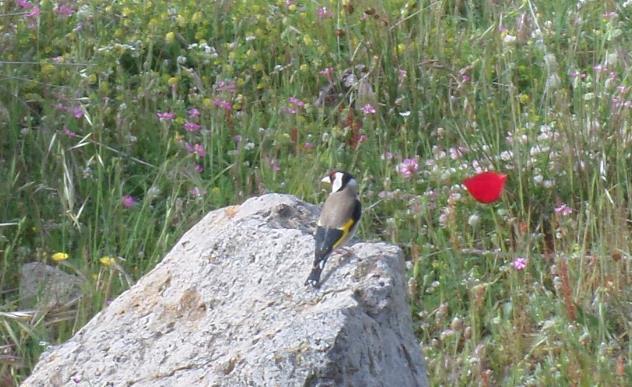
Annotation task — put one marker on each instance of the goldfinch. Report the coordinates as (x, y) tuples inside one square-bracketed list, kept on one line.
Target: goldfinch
[(338, 220)]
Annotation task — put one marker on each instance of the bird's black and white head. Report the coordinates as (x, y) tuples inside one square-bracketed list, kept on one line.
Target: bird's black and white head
[(340, 180)]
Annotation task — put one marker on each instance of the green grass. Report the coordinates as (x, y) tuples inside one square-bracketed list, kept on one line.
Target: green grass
[(537, 90)]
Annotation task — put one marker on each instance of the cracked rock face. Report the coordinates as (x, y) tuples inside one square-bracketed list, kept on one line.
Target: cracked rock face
[(227, 307)]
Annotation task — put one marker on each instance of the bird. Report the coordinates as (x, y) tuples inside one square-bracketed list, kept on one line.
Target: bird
[(338, 221)]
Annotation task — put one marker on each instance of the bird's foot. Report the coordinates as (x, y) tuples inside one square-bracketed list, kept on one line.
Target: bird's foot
[(344, 251)]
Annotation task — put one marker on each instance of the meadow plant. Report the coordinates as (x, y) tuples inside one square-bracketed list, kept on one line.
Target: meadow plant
[(125, 122)]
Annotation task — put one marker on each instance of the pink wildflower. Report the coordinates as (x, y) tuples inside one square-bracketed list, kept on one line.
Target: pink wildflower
[(327, 72), (563, 210), (457, 152), (226, 87), (191, 127), (69, 132), (197, 192), (408, 167), (324, 13), (368, 109), (24, 4), (35, 12), (402, 74), (199, 150), (600, 68), (166, 116), (294, 105), (193, 113), (519, 263), (64, 10), (128, 201), (223, 104), (577, 74), (296, 102), (77, 111)]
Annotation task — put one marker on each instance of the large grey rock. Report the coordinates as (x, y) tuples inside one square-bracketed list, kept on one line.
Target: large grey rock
[(227, 307)]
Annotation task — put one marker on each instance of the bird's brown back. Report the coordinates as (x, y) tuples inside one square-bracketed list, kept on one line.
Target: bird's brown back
[(338, 209)]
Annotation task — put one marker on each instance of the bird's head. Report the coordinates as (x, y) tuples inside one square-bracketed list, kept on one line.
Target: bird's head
[(340, 180)]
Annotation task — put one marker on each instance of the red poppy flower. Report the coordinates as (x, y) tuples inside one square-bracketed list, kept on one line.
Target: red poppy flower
[(486, 187)]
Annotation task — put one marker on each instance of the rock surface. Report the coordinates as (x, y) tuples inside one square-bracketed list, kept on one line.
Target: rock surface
[(227, 307), (44, 287)]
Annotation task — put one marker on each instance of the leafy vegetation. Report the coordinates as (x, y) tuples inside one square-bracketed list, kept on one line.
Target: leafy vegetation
[(124, 122)]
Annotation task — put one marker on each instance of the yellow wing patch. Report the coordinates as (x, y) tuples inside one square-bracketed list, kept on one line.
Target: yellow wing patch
[(345, 232), (347, 226)]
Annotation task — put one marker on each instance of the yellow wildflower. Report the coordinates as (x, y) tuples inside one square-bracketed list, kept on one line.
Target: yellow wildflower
[(200, 34), (524, 98), (60, 256), (104, 87), (107, 261), (170, 37), (47, 69)]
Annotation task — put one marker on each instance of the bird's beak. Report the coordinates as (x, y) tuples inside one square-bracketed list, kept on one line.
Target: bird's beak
[(326, 180)]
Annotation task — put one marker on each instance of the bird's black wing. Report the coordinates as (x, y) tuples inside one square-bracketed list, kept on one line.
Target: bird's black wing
[(326, 239)]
